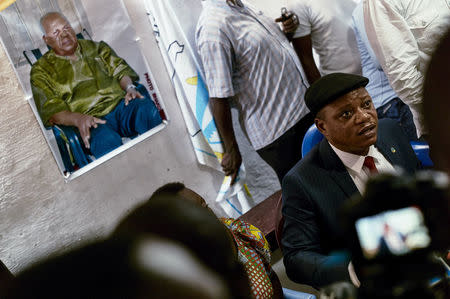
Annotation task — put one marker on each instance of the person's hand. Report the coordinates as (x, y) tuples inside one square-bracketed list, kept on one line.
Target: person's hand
[(289, 21), (231, 162), (132, 93), (84, 123)]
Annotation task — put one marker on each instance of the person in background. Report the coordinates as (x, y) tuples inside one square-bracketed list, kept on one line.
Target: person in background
[(356, 145), (84, 84), (325, 26), (403, 35), (248, 61), (386, 101)]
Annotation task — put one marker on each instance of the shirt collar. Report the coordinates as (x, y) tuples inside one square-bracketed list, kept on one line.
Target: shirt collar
[(352, 161), (77, 53)]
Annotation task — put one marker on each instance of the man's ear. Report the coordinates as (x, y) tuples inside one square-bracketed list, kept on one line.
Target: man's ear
[(321, 125), (44, 38)]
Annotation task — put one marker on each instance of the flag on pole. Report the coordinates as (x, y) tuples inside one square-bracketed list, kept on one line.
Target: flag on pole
[(5, 3), (174, 23)]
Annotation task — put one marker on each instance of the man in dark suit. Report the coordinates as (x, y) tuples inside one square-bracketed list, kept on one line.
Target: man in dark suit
[(356, 145)]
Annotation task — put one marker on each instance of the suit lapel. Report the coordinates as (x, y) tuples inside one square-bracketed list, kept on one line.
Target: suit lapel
[(389, 150), (337, 169)]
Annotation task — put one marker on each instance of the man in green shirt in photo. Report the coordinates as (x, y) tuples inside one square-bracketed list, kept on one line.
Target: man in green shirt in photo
[(84, 84)]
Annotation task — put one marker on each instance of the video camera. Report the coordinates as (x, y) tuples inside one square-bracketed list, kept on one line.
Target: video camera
[(396, 231)]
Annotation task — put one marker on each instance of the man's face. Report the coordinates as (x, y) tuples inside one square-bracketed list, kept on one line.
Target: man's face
[(350, 123), (59, 35)]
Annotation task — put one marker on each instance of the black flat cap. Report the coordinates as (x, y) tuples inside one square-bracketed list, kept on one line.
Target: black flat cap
[(330, 87)]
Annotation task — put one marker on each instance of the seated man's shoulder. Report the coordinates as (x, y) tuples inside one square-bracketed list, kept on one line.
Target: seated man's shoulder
[(87, 42), (309, 165), (88, 45), (43, 65), (212, 21), (216, 19)]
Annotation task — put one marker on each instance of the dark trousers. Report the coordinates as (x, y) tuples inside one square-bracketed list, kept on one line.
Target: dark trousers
[(399, 111), (139, 116), (286, 151)]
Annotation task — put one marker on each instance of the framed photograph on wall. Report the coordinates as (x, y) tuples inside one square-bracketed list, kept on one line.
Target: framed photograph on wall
[(83, 73)]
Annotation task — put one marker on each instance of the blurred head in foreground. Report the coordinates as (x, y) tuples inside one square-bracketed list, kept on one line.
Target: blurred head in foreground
[(144, 267), (177, 213)]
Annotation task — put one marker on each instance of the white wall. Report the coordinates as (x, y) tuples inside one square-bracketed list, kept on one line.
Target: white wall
[(40, 213)]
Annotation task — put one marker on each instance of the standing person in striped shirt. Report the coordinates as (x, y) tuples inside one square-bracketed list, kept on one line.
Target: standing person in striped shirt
[(247, 60)]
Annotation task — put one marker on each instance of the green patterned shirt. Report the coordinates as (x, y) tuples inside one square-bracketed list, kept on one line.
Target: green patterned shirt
[(89, 85)]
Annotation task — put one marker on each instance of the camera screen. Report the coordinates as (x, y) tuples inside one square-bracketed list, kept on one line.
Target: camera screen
[(395, 232)]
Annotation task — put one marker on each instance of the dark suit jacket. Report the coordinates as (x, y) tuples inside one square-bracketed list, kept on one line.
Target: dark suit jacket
[(313, 191)]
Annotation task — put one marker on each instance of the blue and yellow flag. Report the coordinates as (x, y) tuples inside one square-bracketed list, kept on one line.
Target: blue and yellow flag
[(174, 29)]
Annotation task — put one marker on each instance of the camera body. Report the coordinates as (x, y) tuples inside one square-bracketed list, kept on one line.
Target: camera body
[(394, 229)]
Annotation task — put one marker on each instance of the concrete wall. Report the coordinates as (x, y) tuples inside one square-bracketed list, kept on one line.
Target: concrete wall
[(40, 213)]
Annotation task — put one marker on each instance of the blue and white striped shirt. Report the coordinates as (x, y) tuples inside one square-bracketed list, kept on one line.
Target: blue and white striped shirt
[(246, 56)]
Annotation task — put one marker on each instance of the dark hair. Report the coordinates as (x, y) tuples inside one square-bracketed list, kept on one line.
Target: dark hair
[(169, 188), (115, 268), (173, 217), (98, 270)]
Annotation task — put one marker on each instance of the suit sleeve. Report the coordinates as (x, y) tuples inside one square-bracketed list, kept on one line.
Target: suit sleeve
[(304, 258)]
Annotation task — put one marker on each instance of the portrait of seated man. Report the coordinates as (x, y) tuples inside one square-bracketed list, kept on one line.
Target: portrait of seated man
[(356, 146), (84, 84)]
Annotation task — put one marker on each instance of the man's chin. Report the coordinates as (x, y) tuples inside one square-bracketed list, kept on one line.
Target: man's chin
[(370, 142), (67, 51)]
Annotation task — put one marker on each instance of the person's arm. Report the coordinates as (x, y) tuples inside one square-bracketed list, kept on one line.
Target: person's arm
[(53, 110), (302, 38), (218, 60), (131, 93), (303, 47), (386, 29), (303, 258), (118, 68), (232, 159), (83, 122), (289, 23)]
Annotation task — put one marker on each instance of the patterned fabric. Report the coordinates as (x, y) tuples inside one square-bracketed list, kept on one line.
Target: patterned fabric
[(246, 56), (89, 85), (254, 253)]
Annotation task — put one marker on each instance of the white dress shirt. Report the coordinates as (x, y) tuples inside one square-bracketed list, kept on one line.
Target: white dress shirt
[(355, 165), (329, 24), (403, 35)]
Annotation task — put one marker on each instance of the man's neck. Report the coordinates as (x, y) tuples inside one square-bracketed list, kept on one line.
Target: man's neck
[(361, 152), (71, 56)]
